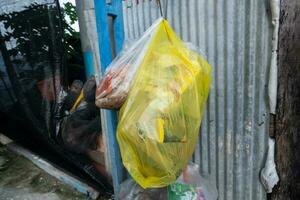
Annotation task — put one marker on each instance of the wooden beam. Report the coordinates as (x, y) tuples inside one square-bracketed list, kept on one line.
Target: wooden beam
[(287, 119), (109, 118)]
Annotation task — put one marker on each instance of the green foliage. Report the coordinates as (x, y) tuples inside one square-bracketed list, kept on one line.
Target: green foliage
[(71, 36), (32, 33), (34, 38), (70, 10), (72, 43)]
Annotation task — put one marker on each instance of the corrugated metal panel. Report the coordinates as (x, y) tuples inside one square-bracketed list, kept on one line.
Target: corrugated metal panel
[(235, 37)]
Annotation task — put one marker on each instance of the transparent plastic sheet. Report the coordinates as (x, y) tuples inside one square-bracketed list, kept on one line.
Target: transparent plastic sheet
[(160, 119), (33, 81), (31, 72)]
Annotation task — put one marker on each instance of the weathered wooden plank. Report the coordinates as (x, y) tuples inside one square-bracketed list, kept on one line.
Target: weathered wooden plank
[(287, 119), (109, 40)]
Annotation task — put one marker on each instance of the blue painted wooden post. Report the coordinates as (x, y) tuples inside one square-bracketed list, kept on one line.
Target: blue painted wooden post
[(102, 11), (89, 63)]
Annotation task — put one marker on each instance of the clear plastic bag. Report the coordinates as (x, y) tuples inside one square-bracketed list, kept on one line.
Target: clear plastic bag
[(130, 190), (116, 83), (159, 121), (191, 185)]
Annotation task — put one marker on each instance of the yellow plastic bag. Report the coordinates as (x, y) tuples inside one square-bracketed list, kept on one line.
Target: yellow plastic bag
[(160, 119)]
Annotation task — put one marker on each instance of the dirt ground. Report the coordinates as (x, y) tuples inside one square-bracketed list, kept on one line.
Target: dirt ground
[(21, 180)]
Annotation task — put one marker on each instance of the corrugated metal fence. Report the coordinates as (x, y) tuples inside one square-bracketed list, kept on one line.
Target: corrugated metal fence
[(235, 37)]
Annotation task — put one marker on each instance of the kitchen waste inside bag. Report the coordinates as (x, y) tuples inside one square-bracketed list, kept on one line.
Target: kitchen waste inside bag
[(119, 75), (189, 186), (160, 119), (130, 190)]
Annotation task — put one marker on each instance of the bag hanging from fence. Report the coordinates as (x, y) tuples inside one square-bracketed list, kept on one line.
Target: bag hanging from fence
[(119, 75), (159, 121)]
